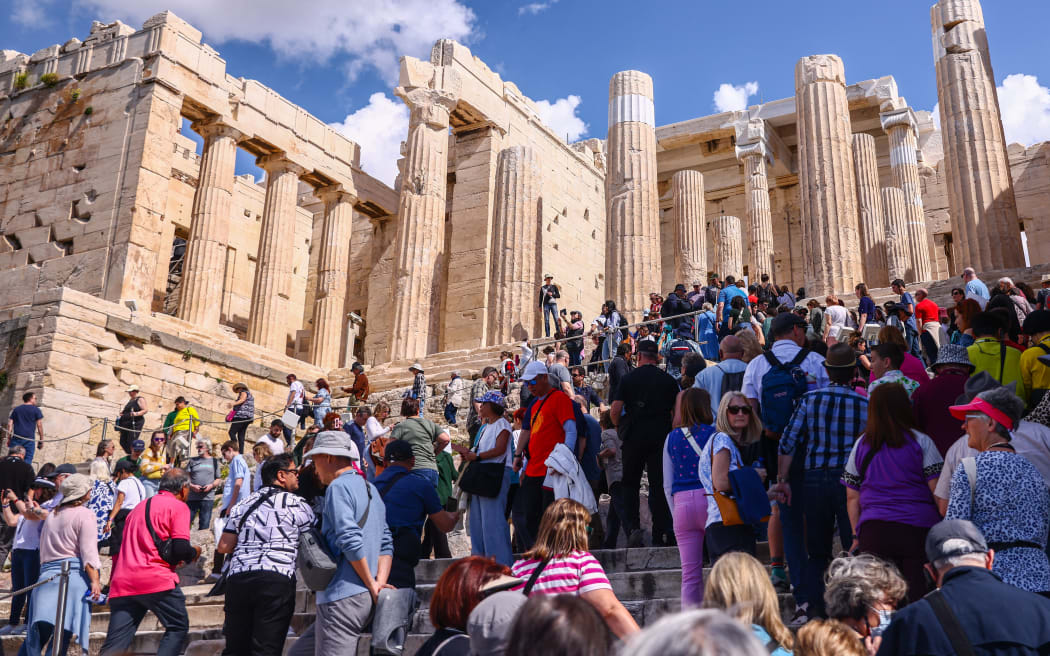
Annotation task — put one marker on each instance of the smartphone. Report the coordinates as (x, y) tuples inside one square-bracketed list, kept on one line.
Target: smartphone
[(101, 601)]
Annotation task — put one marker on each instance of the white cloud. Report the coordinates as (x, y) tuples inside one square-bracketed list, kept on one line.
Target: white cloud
[(373, 33), (1025, 106), (31, 13), (732, 98), (561, 117), (379, 128), (536, 7)]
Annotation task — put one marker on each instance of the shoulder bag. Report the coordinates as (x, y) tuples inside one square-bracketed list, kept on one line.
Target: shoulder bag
[(164, 547), (315, 563), (531, 583), (483, 479), (220, 586), (748, 503)]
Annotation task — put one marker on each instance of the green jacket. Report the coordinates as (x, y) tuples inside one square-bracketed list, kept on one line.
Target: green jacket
[(446, 475)]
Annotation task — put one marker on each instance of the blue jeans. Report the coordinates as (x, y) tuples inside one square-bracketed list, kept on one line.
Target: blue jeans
[(489, 532), (450, 414), (25, 570), (549, 310), (825, 504), (204, 508), (609, 345), (29, 445), (791, 520), (431, 475), (152, 486)]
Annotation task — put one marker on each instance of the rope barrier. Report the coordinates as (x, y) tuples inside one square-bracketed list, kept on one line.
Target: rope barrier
[(28, 588)]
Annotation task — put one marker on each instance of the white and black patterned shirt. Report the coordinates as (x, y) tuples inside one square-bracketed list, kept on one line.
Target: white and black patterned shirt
[(269, 539)]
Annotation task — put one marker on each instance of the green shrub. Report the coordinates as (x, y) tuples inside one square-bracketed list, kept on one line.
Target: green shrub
[(74, 95), (21, 80), (88, 110), (49, 79)]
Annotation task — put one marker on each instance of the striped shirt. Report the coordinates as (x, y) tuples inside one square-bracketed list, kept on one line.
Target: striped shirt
[(824, 426), (575, 573)]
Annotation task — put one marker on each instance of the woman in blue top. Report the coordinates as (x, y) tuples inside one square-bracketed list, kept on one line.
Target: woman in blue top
[(322, 401), (685, 493)]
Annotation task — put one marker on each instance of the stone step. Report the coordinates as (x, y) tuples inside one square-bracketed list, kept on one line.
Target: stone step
[(145, 642)]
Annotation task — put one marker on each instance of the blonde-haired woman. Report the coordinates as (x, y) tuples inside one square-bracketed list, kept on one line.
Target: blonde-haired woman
[(566, 567), (738, 426), (752, 347), (739, 585), (828, 638), (260, 453)]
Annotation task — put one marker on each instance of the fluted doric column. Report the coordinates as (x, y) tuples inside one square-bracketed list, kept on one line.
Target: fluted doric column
[(830, 243), (690, 253), (729, 246), (633, 252), (895, 211), (756, 191), (273, 272), (985, 230), (515, 281), (329, 316), (869, 211), (203, 269), (901, 127), (421, 220)]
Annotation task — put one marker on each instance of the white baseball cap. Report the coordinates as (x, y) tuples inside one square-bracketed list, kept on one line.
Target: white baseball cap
[(534, 369)]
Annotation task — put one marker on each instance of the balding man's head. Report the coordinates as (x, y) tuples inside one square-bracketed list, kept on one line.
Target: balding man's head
[(731, 348), (561, 356)]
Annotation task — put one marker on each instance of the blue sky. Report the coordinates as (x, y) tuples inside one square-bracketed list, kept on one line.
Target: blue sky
[(338, 58)]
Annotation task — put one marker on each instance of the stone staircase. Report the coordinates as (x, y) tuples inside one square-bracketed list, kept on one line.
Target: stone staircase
[(648, 582), (393, 375)]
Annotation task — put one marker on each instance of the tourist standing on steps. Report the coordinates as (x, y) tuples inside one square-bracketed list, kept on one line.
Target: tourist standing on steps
[(927, 318), (205, 476), (322, 401), (235, 489), (154, 462), (144, 580), (360, 390), (16, 475), (184, 429), (296, 397), (549, 295), (130, 493), (489, 376), (25, 559), (419, 387), (132, 419), (911, 327), (685, 493), (426, 438), (453, 397), (642, 409), (243, 414), (866, 308), (26, 422), (739, 586), (69, 535), (261, 539), (727, 375)]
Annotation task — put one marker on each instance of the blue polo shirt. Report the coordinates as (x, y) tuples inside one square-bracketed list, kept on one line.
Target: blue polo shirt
[(726, 296), (409, 500), (589, 461)]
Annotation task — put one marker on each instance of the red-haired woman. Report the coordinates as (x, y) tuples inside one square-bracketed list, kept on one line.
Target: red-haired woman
[(322, 401), (457, 592)]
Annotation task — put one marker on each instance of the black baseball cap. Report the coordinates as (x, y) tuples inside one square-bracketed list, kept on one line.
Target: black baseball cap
[(785, 321), (64, 468), (397, 451), (648, 346)]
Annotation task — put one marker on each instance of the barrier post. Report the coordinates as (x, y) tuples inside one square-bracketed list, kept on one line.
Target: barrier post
[(60, 612)]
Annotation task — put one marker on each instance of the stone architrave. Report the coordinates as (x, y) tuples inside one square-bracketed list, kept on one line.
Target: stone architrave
[(420, 239), (633, 252), (200, 296), (869, 211), (687, 193), (329, 317), (756, 190), (901, 127), (729, 249), (514, 276), (895, 211), (273, 274), (986, 233), (830, 243)]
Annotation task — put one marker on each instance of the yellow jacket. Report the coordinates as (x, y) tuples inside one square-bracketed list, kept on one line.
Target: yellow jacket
[(152, 468), (985, 356), (186, 419), (1035, 374)]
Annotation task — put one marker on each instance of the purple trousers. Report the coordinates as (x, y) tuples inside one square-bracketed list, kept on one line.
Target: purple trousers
[(690, 518)]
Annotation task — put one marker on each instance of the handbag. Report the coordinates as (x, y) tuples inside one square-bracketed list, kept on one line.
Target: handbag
[(230, 415), (742, 481), (290, 418), (482, 479), (315, 563), (220, 586)]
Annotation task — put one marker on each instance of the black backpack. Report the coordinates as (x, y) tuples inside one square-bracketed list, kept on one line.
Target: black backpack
[(731, 382)]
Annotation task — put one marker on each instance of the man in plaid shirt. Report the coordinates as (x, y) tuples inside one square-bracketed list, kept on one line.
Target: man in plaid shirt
[(822, 431)]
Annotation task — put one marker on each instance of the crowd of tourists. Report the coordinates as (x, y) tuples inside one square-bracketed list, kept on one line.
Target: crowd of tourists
[(896, 460)]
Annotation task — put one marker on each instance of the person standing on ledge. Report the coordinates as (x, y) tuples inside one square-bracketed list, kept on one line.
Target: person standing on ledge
[(549, 295), (360, 390), (26, 421)]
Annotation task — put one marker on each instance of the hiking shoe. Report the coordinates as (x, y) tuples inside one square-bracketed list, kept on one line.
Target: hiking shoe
[(800, 617), (780, 581), (636, 539)]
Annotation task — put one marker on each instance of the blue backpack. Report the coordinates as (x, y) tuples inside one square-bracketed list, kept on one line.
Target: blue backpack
[(782, 387)]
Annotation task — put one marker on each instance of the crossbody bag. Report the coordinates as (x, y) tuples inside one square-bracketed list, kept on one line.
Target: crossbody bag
[(483, 479), (316, 565), (220, 586)]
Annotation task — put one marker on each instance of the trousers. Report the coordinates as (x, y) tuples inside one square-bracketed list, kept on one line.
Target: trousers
[(534, 500), (340, 623), (259, 607), (824, 506), (690, 518), (126, 613), (489, 531), (639, 456)]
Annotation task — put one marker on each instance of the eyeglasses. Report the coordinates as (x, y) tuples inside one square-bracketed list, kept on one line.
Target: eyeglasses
[(739, 409), (294, 472)]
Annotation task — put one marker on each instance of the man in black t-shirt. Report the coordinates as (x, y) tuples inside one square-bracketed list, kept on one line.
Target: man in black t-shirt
[(643, 409), (16, 475)]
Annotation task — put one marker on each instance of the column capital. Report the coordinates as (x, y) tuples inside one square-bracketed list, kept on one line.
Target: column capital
[(279, 163), (429, 106), (216, 128), (336, 193), (904, 117), (819, 68), (757, 149)]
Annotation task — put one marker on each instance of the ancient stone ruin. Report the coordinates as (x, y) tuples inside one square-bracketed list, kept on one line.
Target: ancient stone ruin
[(131, 256)]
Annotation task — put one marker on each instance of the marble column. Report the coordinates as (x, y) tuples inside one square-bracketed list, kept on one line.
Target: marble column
[(760, 220), (901, 127), (271, 291), (895, 211), (830, 243), (203, 269), (869, 211), (420, 239), (515, 280), (690, 252), (986, 233), (633, 246), (729, 246), (329, 316)]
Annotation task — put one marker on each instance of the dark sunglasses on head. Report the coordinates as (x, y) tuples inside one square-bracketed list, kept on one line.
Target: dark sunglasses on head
[(738, 409)]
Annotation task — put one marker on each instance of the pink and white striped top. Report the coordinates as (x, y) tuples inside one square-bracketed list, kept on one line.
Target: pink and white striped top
[(574, 573)]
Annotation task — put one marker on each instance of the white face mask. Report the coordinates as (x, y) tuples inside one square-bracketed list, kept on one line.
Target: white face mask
[(885, 617)]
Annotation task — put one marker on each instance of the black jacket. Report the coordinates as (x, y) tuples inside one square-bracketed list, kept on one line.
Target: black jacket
[(548, 290)]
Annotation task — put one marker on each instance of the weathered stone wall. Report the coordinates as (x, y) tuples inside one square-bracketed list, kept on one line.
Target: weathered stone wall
[(79, 353)]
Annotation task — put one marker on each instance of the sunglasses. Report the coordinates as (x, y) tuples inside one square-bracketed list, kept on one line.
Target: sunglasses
[(739, 409), (294, 472), (158, 439), (530, 383)]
